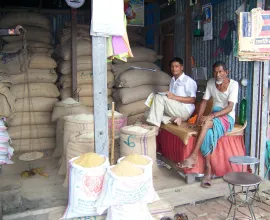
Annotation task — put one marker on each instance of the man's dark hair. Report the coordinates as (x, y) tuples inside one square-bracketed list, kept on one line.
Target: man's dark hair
[(220, 63), (177, 59)]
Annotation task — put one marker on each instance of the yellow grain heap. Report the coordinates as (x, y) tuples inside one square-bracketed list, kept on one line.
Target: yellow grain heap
[(125, 168), (89, 160), (136, 159)]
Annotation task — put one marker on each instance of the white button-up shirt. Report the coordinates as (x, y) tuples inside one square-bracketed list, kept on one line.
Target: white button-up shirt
[(186, 87)]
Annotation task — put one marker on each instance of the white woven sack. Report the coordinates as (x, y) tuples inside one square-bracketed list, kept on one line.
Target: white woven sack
[(130, 212), (85, 185), (153, 196)]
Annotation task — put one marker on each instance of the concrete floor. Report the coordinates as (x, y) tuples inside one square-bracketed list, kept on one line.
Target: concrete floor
[(44, 198)]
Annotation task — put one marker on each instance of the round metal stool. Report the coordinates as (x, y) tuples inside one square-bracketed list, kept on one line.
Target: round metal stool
[(244, 160), (244, 180)]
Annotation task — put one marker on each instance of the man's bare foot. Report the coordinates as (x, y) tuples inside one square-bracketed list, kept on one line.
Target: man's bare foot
[(176, 120), (189, 163)]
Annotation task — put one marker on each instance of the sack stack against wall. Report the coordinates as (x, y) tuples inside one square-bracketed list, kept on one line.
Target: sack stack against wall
[(135, 36), (33, 80), (136, 80), (84, 67)]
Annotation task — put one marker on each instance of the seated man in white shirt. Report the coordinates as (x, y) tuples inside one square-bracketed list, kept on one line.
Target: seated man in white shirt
[(178, 103), (224, 92)]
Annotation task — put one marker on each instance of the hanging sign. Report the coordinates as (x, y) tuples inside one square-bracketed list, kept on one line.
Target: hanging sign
[(75, 3), (134, 11), (207, 22)]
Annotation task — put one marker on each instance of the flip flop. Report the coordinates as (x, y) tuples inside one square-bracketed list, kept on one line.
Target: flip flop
[(206, 182)]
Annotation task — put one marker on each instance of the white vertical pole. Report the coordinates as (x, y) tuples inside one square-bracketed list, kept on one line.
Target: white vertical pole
[(99, 54)]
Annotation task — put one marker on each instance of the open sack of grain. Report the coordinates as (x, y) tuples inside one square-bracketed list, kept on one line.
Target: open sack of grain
[(74, 124), (85, 184), (32, 74), (136, 80), (125, 185)]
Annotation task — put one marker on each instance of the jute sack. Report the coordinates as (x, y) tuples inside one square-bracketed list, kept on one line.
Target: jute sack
[(120, 68), (74, 124), (29, 118), (131, 120), (133, 108), (58, 151), (134, 78), (41, 61), (80, 143), (35, 104), (82, 90), (84, 48), (7, 100), (141, 54), (35, 76), (25, 18), (13, 63), (48, 90), (67, 107), (31, 131), (139, 140), (89, 101), (32, 46), (32, 34), (83, 63), (26, 145), (85, 78), (130, 95)]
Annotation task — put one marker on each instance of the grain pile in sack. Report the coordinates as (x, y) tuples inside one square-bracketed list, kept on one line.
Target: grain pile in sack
[(146, 163), (74, 124), (120, 121), (138, 140), (33, 78), (6, 151), (136, 80), (61, 109), (84, 66), (125, 185), (85, 184)]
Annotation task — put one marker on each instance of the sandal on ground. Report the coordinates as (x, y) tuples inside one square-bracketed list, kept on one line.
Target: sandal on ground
[(206, 182)]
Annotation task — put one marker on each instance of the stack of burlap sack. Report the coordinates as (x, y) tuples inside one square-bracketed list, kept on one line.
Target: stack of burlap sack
[(136, 80), (33, 81), (84, 67)]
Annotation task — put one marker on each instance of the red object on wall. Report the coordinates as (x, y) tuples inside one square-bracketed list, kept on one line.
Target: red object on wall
[(172, 148)]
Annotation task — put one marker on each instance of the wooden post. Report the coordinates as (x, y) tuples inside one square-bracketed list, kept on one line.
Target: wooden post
[(74, 51), (188, 51), (112, 147), (100, 94)]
